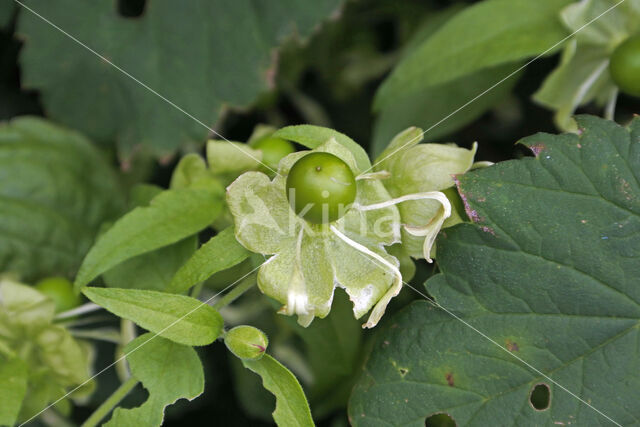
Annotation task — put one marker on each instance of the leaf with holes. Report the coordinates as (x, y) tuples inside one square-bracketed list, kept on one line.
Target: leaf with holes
[(195, 56), (549, 273)]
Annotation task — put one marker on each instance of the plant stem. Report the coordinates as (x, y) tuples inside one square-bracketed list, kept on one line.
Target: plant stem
[(236, 292), (110, 403), (195, 291)]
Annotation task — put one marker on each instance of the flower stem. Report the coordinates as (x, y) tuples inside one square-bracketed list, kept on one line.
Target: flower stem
[(110, 403), (236, 292)]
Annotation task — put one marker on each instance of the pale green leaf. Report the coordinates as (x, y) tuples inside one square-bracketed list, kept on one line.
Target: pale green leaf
[(219, 253), (486, 34), (13, 387), (55, 191), (226, 157), (549, 272), (169, 371), (179, 318), (201, 55), (313, 136), (292, 409), (190, 172), (171, 216)]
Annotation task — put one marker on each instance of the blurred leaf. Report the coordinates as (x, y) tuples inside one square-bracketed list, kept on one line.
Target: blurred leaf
[(168, 371), (435, 108), (171, 216), (179, 318), (55, 191), (549, 272), (292, 408), (6, 12), (486, 34), (312, 136), (200, 55), (219, 253), (13, 387)]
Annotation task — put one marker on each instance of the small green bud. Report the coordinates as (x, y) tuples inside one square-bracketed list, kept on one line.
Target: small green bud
[(246, 342)]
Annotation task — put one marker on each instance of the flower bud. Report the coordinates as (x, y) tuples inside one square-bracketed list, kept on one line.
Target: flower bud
[(246, 342)]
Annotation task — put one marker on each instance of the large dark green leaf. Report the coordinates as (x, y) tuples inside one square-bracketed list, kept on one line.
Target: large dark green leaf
[(199, 54), (55, 191), (550, 273)]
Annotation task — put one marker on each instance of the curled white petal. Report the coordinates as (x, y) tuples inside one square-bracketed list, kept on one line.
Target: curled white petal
[(381, 305), (428, 231)]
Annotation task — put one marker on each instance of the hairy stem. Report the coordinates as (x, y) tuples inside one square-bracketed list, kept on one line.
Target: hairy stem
[(110, 403)]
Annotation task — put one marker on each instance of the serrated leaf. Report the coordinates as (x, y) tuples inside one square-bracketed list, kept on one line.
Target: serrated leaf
[(201, 63), (168, 371), (13, 387), (549, 272), (292, 408), (171, 216), (313, 136), (487, 34), (219, 253), (55, 191), (179, 318)]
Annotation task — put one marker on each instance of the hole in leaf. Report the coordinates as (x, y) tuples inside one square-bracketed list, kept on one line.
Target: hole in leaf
[(131, 8), (440, 420), (540, 397)]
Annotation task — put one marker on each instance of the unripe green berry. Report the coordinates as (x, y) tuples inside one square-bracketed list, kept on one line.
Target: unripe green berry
[(60, 290), (320, 187), (273, 150), (246, 342), (625, 66)]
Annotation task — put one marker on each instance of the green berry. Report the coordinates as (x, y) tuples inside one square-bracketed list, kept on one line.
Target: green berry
[(246, 342), (273, 150), (60, 290), (320, 187), (625, 66)]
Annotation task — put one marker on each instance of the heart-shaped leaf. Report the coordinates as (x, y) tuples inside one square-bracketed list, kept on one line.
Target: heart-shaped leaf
[(549, 274)]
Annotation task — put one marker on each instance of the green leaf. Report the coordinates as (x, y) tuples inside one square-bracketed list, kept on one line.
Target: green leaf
[(219, 253), (171, 216), (152, 270), (55, 191), (292, 408), (313, 136), (549, 272), (487, 34), (435, 108), (213, 53), (13, 387), (168, 371), (179, 318)]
